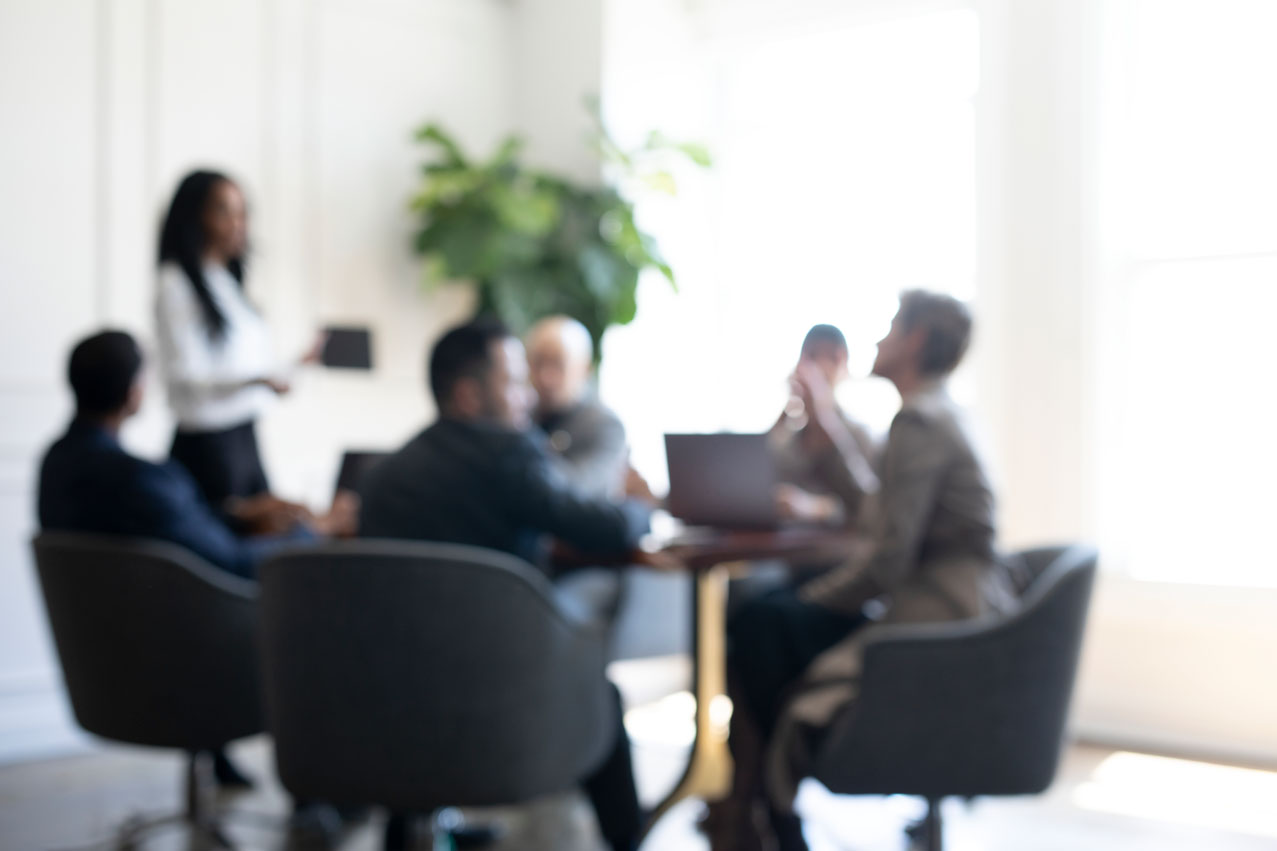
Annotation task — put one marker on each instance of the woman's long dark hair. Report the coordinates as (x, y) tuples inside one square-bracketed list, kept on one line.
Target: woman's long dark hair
[(182, 242)]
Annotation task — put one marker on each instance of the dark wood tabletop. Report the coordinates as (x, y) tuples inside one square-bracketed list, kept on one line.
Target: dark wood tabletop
[(700, 549)]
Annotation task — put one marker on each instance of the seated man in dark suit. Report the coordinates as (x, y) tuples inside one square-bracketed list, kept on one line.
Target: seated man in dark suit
[(479, 476), (89, 483)]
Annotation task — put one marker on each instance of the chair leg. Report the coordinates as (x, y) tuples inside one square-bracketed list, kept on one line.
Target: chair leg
[(935, 828), (201, 804)]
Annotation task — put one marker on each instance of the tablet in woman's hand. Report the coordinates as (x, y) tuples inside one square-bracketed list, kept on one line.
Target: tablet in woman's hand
[(347, 348)]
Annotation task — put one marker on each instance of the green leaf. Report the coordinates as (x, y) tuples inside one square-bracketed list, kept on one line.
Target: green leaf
[(661, 181), (602, 270), (506, 152), (625, 307), (436, 135), (434, 271), (525, 208), (697, 153), (657, 142)]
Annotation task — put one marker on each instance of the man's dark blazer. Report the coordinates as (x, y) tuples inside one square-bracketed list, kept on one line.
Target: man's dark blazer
[(490, 486), (89, 483)]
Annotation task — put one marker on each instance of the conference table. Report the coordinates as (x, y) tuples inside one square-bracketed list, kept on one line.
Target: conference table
[(711, 557)]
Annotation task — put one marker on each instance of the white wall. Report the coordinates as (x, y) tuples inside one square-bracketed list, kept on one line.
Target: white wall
[(48, 260), (558, 48), (311, 105)]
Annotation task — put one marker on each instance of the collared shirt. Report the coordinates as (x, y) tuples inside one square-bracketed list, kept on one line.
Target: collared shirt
[(205, 377)]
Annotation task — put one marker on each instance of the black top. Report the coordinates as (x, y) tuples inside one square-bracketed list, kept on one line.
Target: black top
[(490, 486), (88, 483)]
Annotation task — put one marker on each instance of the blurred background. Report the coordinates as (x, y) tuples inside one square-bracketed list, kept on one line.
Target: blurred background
[(1096, 176)]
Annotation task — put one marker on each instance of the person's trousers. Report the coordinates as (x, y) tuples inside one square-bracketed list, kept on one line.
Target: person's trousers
[(225, 463), (612, 791), (771, 640)]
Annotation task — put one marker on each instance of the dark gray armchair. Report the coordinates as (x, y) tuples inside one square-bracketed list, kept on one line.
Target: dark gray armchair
[(157, 648), (967, 709), (421, 676)]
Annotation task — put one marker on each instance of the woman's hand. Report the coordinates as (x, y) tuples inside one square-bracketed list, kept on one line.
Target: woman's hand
[(315, 354), (280, 386)]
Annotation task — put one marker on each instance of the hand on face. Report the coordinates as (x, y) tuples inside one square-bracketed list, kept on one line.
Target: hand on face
[(813, 387)]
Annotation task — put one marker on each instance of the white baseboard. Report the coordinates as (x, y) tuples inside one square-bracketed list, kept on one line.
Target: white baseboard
[(1129, 738), (36, 723)]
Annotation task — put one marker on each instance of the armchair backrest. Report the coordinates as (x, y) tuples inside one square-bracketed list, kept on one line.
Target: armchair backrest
[(157, 646), (417, 675)]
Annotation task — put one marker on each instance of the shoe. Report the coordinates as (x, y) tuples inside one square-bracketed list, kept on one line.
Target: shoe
[(733, 825), (314, 825), (466, 835), (401, 829), (227, 774)]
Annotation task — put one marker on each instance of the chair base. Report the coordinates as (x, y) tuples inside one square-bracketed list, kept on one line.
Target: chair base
[(134, 831), (199, 816), (448, 831)]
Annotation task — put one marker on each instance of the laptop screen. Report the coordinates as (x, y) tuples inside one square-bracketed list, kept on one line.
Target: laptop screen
[(723, 480)]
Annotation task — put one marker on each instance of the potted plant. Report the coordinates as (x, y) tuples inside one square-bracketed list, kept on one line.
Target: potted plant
[(535, 243)]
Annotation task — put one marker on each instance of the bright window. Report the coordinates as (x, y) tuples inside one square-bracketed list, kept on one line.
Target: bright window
[(1188, 465), (845, 172)]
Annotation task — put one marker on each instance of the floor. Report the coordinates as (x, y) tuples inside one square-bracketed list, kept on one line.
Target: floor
[(1102, 800)]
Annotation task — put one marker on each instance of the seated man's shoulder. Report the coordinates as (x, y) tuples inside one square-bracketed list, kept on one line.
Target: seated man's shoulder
[(456, 446), (501, 440), (166, 485), (602, 416)]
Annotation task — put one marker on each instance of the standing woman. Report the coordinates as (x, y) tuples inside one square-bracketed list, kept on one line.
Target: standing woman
[(217, 358)]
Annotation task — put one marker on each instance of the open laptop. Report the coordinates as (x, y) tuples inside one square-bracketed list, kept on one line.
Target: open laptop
[(354, 465), (726, 481)]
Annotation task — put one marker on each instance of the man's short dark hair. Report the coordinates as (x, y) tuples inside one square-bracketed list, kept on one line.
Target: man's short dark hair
[(948, 325), (824, 335), (102, 370), (463, 352)]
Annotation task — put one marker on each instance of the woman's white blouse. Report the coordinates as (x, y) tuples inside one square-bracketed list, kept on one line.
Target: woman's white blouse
[(205, 376)]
